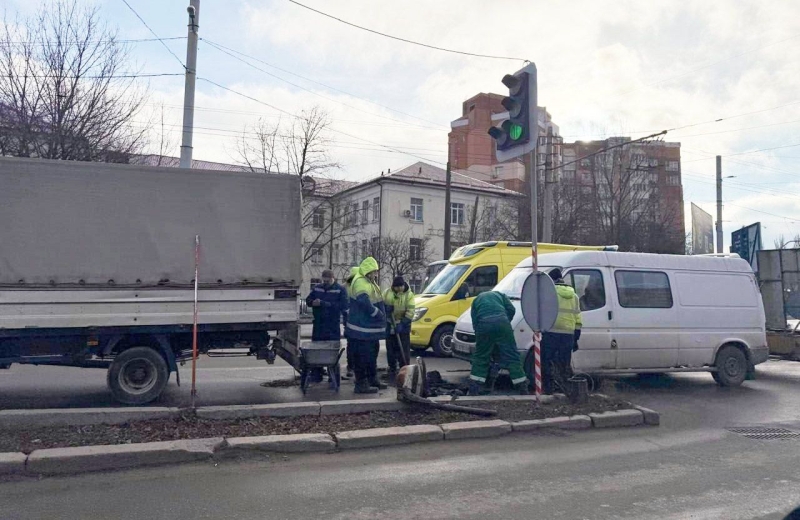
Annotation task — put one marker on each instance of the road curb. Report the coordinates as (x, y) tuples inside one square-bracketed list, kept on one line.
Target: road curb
[(617, 419), (475, 429), (82, 416), (575, 422), (383, 404), (297, 443), (55, 461), (258, 410), (12, 463), (374, 437)]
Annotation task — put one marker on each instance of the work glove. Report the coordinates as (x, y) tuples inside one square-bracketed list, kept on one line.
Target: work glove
[(575, 346), (577, 334)]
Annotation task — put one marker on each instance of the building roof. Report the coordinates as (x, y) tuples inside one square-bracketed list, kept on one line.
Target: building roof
[(328, 187), (168, 161), (424, 173)]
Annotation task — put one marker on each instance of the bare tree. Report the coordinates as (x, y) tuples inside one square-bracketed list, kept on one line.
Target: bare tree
[(66, 91), (783, 243), (166, 144), (402, 254), (297, 148), (325, 222), (627, 206)]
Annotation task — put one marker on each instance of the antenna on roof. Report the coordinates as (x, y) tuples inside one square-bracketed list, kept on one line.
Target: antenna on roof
[(420, 171), (388, 171)]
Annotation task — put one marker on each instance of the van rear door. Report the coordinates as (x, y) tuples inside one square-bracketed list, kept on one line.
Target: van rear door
[(715, 308), (645, 321)]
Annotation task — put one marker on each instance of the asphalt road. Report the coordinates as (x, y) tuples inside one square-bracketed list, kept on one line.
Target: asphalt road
[(692, 466), (220, 381), (643, 474)]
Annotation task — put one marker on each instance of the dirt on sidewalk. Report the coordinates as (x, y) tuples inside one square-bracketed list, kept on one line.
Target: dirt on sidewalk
[(189, 426)]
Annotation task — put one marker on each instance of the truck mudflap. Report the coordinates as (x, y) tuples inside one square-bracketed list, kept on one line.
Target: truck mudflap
[(287, 344)]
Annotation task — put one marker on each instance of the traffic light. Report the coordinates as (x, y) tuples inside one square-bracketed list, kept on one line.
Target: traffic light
[(517, 134)]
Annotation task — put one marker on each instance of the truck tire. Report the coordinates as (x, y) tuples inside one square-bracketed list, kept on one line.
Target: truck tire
[(138, 375), (443, 340), (731, 366)]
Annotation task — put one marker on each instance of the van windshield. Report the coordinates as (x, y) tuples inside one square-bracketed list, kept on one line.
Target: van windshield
[(512, 284), (446, 279)]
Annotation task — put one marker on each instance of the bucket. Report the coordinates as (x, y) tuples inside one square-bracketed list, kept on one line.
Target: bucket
[(578, 390)]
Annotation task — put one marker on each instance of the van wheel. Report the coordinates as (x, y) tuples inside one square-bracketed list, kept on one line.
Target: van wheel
[(138, 375), (731, 366), (443, 340)]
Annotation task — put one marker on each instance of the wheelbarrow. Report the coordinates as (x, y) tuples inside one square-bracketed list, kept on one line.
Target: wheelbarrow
[(320, 354)]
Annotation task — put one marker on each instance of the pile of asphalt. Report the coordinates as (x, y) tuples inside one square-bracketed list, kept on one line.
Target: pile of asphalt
[(188, 426)]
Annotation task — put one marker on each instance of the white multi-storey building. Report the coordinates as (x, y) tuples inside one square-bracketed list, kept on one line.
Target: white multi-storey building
[(398, 217)]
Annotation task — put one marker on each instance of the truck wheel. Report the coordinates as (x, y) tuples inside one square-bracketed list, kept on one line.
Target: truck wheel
[(443, 340), (138, 375), (731, 366)]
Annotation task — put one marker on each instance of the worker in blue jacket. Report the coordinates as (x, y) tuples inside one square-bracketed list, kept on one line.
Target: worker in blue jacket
[(328, 302), (366, 326)]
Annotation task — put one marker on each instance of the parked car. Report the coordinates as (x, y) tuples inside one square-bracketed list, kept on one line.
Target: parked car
[(650, 313)]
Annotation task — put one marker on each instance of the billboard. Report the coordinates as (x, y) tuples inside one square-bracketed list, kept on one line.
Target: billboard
[(746, 242), (702, 231)]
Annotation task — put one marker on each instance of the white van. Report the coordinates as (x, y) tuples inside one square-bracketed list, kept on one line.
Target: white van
[(650, 313)]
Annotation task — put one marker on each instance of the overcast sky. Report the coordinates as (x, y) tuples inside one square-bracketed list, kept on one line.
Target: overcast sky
[(605, 68)]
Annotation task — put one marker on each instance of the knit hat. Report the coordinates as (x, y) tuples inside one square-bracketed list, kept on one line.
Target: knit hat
[(398, 281)]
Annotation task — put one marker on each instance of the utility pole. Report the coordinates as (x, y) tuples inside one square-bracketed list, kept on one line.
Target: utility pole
[(549, 187), (188, 91), (719, 204), (446, 252)]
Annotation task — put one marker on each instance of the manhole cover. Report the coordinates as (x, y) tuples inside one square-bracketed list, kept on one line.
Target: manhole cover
[(765, 433)]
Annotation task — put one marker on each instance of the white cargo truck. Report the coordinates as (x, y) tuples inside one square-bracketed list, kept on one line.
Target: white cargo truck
[(97, 267)]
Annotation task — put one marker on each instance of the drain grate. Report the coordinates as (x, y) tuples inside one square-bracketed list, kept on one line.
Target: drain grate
[(765, 433)]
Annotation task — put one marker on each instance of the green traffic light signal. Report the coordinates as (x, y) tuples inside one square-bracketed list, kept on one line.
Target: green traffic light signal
[(515, 131)]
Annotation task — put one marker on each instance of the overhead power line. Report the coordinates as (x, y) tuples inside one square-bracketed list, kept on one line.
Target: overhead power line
[(154, 33), (113, 40), (407, 40), (101, 76), (223, 50)]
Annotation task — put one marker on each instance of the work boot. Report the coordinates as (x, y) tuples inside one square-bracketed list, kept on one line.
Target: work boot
[(522, 388), (362, 387), (349, 374), (391, 376), (375, 383), (474, 388)]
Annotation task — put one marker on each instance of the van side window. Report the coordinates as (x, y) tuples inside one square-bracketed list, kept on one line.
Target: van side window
[(643, 289), (588, 285), (482, 279)]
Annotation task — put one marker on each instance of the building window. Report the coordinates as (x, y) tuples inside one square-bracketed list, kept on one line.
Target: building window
[(318, 219), (354, 247), (415, 249), (376, 209), (354, 214), (673, 166), (364, 248), (364, 211), (416, 210), (673, 180), (497, 171), (586, 163), (335, 253), (376, 244), (316, 255), (643, 289), (345, 252), (457, 214), (415, 284)]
